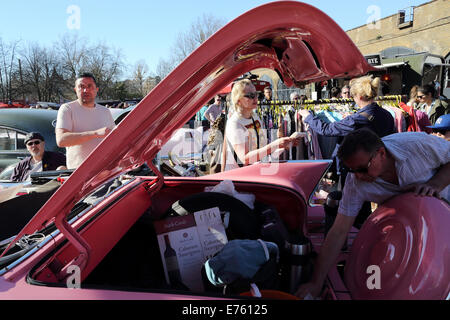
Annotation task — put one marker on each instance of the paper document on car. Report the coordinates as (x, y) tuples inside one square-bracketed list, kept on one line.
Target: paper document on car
[(186, 242)]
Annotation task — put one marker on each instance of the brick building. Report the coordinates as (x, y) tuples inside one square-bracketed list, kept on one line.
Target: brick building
[(412, 46)]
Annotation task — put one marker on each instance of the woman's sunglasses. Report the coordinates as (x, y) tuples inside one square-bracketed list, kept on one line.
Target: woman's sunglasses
[(251, 95)]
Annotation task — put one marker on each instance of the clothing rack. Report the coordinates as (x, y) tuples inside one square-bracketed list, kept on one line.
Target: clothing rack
[(296, 103)]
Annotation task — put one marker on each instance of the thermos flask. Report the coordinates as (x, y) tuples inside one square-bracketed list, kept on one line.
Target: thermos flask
[(300, 250)]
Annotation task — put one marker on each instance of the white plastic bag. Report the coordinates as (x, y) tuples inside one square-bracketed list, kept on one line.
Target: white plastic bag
[(227, 187)]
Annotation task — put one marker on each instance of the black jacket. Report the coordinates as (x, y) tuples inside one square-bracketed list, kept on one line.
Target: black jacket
[(50, 161)]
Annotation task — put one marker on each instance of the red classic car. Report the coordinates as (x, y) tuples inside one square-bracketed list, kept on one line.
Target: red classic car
[(96, 233)]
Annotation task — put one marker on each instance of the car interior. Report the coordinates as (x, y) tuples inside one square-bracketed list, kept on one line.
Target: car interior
[(128, 258)]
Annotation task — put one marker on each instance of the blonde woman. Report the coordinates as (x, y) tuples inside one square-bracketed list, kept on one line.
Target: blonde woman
[(245, 134), (364, 91)]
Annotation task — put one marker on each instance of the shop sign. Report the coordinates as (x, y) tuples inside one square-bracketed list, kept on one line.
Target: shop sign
[(373, 60)]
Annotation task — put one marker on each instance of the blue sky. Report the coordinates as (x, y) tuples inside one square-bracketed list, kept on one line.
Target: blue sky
[(147, 29)]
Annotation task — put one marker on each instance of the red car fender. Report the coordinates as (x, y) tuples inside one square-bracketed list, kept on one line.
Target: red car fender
[(402, 251)]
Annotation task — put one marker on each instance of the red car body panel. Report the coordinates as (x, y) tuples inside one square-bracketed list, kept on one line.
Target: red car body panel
[(408, 238)]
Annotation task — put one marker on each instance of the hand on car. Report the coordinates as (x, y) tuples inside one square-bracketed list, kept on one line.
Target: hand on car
[(425, 189)]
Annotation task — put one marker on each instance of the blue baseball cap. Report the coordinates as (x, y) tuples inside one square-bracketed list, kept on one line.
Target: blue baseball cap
[(442, 123)]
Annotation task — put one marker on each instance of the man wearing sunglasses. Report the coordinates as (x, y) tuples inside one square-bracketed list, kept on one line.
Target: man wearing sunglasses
[(39, 159), (380, 169)]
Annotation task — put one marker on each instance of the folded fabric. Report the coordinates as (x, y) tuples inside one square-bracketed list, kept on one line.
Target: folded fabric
[(239, 259)]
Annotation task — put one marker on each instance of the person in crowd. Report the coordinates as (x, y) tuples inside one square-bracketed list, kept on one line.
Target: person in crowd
[(345, 92), (335, 93), (245, 136), (442, 127), (413, 100), (39, 159), (379, 170), (267, 94), (422, 119), (214, 110), (294, 96), (200, 115), (82, 124), (364, 91), (434, 108)]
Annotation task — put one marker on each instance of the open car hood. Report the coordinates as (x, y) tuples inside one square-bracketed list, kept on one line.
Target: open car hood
[(297, 40)]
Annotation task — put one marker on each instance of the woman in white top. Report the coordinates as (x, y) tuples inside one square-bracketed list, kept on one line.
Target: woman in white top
[(245, 134)]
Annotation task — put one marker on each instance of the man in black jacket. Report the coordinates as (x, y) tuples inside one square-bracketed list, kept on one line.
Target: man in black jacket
[(39, 159)]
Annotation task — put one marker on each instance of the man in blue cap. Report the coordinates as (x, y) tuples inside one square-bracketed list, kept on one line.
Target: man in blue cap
[(442, 127), (39, 159)]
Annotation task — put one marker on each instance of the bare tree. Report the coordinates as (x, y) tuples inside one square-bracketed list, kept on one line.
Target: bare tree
[(8, 67), (140, 75), (32, 69), (42, 73), (73, 52), (107, 65), (186, 42), (52, 71), (164, 67)]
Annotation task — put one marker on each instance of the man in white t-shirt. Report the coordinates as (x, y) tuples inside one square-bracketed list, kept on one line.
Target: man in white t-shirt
[(214, 110), (82, 124)]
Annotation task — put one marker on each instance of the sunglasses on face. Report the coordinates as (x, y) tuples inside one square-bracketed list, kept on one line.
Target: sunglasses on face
[(31, 143), (251, 95), (420, 97), (363, 169)]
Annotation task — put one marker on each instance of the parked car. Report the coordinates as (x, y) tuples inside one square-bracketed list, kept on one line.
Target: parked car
[(97, 232), (47, 105), (15, 124)]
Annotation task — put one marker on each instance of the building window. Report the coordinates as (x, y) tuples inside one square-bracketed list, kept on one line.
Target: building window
[(405, 17)]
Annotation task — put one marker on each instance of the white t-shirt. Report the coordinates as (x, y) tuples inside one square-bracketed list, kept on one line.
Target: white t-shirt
[(75, 118), (240, 130), (35, 167)]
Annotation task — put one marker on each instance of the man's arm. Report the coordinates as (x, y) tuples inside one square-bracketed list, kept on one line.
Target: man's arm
[(328, 255), (436, 184), (65, 138)]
